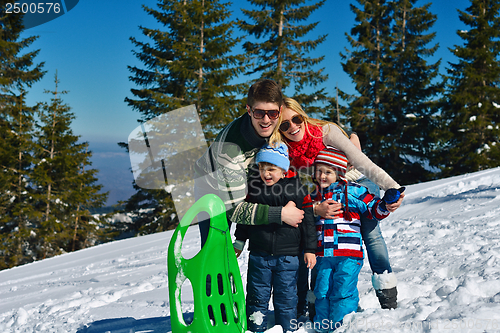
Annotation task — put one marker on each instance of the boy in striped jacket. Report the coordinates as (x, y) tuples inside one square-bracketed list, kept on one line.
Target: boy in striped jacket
[(339, 251)]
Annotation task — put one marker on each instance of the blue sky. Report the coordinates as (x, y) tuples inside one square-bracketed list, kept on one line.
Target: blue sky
[(90, 49)]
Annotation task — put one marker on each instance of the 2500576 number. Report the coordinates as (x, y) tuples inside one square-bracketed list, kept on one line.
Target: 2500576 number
[(40, 8)]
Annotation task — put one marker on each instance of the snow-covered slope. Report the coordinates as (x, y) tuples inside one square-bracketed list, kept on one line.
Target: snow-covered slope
[(444, 244)]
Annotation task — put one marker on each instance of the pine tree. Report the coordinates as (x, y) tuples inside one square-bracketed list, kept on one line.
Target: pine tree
[(280, 49), (411, 106), (393, 114), (65, 189), (188, 62), (17, 74), (151, 211), (370, 40), (469, 123)]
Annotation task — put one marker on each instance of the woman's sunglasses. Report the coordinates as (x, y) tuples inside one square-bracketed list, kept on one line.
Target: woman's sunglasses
[(285, 124)]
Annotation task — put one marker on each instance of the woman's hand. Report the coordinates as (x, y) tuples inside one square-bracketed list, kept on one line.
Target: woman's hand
[(291, 215), (393, 198), (392, 207), (328, 209)]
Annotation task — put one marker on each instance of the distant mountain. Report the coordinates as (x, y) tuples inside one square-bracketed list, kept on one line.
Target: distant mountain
[(114, 174)]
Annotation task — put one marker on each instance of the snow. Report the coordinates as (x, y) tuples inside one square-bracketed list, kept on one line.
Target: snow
[(444, 244), (257, 317)]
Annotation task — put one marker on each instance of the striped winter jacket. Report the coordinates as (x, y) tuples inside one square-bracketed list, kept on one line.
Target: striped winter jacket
[(341, 237), (225, 169)]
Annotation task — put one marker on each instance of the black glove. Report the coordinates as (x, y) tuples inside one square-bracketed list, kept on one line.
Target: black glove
[(392, 195)]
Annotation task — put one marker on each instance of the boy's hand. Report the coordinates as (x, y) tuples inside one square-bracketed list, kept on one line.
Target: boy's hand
[(238, 252), (291, 215), (328, 209), (310, 260)]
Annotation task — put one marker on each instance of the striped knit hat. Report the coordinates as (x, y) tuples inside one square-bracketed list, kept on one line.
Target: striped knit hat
[(338, 161), (334, 158), (274, 155)]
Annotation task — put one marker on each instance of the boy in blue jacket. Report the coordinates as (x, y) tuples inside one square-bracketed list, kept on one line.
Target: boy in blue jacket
[(339, 249), (275, 249)]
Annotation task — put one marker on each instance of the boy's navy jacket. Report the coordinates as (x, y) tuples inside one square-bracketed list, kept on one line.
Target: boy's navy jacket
[(341, 237), (279, 239)]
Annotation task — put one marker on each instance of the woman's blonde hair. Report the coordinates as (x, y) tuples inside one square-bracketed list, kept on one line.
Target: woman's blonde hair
[(277, 137)]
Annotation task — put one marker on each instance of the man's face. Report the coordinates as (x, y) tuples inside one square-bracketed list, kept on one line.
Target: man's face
[(265, 126)]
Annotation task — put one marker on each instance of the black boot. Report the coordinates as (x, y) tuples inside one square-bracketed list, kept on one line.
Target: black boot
[(388, 298), (385, 288)]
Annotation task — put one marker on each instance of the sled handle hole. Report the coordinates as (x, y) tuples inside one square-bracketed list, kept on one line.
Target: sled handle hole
[(223, 313), (220, 284), (209, 285), (211, 315), (232, 283), (235, 310)]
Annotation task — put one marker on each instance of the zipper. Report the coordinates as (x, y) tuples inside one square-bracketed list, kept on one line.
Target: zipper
[(273, 244)]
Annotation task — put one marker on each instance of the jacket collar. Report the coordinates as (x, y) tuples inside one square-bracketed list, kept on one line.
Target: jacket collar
[(249, 134)]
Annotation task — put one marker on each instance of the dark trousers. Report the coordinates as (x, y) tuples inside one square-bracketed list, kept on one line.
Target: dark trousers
[(204, 226), (276, 274), (302, 286)]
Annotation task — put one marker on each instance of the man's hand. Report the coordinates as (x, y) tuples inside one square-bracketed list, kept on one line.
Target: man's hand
[(291, 215), (310, 260), (238, 252), (328, 209)]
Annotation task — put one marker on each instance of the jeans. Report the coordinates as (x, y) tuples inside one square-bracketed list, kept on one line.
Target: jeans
[(376, 249), (268, 273)]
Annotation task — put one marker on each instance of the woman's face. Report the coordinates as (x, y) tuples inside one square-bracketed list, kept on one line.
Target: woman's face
[(295, 132)]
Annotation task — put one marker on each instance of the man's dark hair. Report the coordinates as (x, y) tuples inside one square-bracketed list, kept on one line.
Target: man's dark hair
[(265, 90)]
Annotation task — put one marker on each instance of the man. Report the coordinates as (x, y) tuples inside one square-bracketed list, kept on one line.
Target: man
[(226, 166)]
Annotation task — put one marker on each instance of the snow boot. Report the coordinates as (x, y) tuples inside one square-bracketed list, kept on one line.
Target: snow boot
[(385, 289)]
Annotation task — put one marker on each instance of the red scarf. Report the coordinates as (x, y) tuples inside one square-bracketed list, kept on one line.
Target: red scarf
[(303, 152)]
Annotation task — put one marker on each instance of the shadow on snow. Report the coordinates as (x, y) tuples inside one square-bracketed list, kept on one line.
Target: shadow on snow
[(130, 325)]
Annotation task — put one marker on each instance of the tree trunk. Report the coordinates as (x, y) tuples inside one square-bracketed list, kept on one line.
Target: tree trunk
[(200, 72)]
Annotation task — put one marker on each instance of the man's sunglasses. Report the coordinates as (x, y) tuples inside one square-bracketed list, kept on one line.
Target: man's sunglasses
[(259, 114), (285, 124)]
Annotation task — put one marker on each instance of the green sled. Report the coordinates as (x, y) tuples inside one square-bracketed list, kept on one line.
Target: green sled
[(219, 301)]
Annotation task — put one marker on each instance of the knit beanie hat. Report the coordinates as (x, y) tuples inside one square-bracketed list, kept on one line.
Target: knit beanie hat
[(275, 155), (334, 158)]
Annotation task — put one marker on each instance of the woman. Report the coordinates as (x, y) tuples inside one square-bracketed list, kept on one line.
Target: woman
[(305, 137)]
